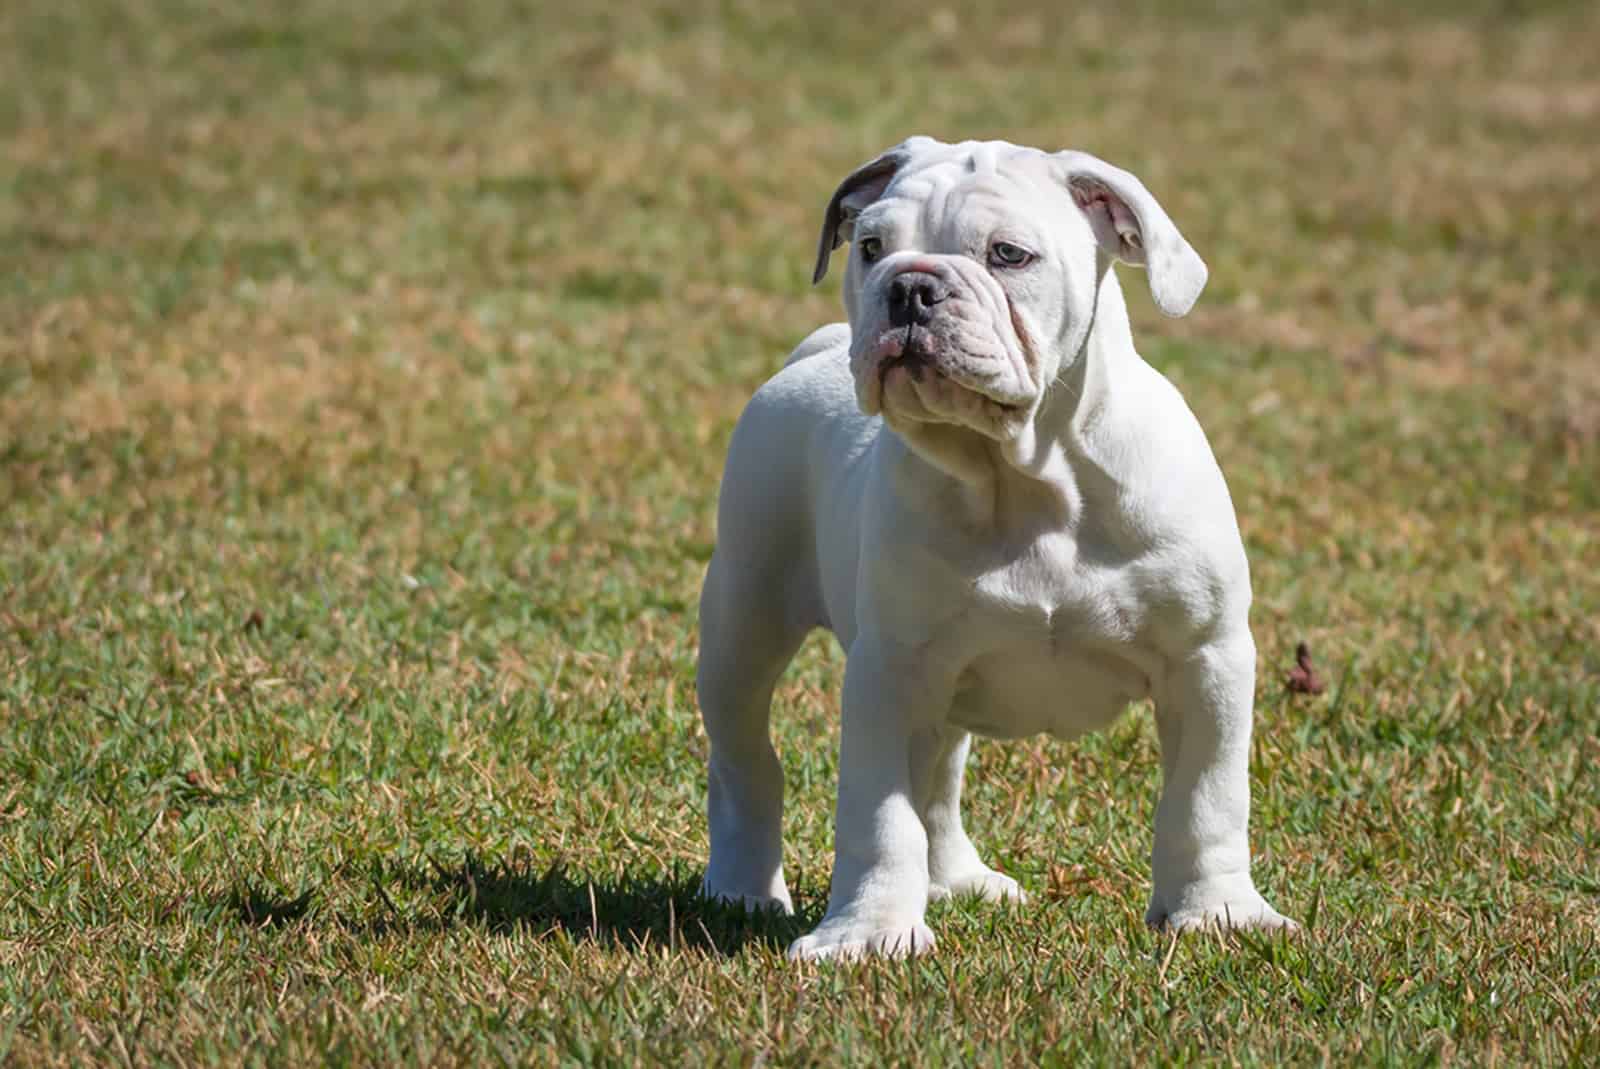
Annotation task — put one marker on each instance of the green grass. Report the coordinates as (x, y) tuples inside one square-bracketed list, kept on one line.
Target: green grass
[(364, 384)]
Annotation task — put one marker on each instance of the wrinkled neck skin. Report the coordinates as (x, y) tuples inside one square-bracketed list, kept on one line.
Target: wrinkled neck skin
[(1049, 458)]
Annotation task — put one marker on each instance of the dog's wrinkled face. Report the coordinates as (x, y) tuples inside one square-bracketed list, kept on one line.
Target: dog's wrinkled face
[(973, 275), (960, 285)]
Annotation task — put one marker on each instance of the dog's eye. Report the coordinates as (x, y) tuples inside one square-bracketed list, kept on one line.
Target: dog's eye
[(871, 249), (1005, 254)]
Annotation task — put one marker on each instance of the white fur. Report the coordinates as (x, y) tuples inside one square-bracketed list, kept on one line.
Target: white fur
[(1023, 533)]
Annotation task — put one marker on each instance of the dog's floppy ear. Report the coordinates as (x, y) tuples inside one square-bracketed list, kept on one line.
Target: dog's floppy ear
[(1131, 226), (860, 188)]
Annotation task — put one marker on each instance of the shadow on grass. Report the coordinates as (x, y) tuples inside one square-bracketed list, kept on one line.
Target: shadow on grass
[(620, 911)]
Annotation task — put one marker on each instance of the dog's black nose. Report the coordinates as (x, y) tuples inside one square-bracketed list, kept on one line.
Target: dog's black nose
[(912, 295)]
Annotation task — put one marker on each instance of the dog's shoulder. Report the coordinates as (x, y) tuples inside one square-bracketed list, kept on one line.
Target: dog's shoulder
[(806, 414), (835, 337), (814, 382)]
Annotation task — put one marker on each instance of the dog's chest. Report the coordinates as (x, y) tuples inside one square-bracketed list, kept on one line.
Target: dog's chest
[(1064, 648)]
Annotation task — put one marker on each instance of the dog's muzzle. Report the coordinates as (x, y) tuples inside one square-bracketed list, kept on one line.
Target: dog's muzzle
[(937, 347)]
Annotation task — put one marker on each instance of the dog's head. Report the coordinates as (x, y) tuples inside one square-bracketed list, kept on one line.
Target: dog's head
[(974, 270)]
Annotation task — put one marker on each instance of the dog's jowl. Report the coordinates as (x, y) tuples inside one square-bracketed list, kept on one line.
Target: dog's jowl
[(1012, 523)]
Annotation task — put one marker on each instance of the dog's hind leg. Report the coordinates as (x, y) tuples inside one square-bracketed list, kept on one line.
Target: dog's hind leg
[(954, 867), (746, 641)]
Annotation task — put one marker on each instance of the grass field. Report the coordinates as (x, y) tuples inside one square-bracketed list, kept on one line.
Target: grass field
[(365, 375)]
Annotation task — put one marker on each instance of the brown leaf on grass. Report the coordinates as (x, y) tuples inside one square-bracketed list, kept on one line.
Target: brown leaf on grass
[(1303, 678)]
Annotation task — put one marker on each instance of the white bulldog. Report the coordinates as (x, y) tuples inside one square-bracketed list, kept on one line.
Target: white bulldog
[(1011, 522)]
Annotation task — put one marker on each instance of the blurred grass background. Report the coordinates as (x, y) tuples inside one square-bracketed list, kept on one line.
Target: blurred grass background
[(365, 375)]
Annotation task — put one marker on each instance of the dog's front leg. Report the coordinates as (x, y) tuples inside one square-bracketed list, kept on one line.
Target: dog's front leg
[(1201, 859), (889, 741)]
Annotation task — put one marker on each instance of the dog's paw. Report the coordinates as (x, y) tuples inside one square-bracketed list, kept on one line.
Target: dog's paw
[(985, 884), (752, 903), (1244, 912), (847, 941)]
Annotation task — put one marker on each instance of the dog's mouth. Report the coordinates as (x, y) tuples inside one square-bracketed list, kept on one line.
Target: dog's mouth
[(913, 356), (937, 383)]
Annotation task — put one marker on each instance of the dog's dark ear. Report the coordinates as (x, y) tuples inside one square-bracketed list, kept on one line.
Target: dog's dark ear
[(1131, 226), (860, 188)]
